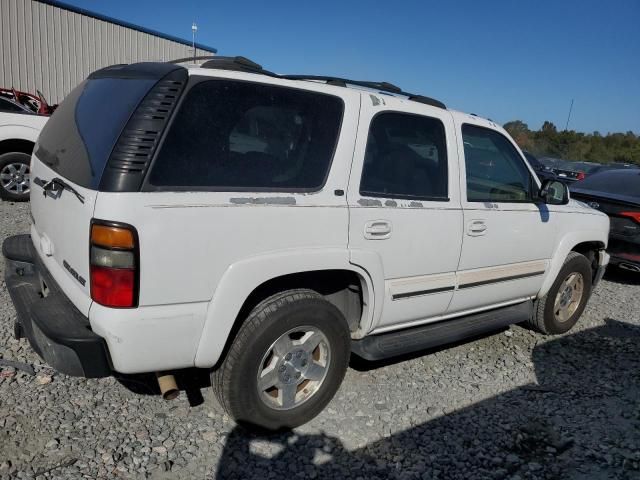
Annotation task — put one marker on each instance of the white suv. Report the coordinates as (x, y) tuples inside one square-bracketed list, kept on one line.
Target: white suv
[(267, 226)]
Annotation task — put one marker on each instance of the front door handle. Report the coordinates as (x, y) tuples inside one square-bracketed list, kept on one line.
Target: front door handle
[(377, 230), (476, 228)]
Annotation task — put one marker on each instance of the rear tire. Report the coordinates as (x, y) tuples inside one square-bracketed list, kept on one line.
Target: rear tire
[(14, 176), (559, 310), (274, 375)]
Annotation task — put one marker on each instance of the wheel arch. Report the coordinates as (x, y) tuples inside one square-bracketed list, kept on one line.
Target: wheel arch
[(586, 243), (16, 145), (247, 283)]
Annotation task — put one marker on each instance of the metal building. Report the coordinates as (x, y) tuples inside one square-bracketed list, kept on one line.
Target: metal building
[(51, 46)]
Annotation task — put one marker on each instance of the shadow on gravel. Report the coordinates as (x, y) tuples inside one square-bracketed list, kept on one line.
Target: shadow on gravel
[(580, 421), (191, 381), (618, 275)]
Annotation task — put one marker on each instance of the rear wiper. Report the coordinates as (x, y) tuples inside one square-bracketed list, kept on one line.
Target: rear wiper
[(54, 188)]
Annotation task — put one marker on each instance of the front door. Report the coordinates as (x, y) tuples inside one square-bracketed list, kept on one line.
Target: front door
[(508, 237), (404, 207)]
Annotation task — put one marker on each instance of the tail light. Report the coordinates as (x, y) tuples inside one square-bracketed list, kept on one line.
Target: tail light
[(114, 265), (580, 176), (632, 215)]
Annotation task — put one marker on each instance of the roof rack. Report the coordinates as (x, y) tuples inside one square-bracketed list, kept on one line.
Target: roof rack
[(243, 64), (238, 64)]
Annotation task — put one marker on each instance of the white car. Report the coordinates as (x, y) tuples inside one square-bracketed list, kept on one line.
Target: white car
[(159, 243), (19, 130)]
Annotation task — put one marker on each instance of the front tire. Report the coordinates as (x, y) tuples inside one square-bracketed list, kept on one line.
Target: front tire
[(286, 362), (559, 310), (14, 176)]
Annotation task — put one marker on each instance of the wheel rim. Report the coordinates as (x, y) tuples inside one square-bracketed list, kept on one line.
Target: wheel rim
[(568, 297), (293, 368), (14, 178)]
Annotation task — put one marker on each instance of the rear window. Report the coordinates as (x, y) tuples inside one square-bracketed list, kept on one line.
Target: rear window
[(620, 183), (233, 135), (78, 138)]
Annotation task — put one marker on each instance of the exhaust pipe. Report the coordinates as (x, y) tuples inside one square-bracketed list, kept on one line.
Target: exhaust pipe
[(629, 266), (168, 386)]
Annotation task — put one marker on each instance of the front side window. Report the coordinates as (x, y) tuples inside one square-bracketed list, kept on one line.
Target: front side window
[(406, 157), (234, 135), (495, 170)]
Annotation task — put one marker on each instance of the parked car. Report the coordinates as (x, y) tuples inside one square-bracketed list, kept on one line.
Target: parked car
[(367, 220), (570, 172), (612, 166), (35, 103), (616, 193), (19, 130), (544, 172)]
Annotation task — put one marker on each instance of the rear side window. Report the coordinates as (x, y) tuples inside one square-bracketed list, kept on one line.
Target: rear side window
[(406, 157), (233, 135), (495, 170), (77, 140)]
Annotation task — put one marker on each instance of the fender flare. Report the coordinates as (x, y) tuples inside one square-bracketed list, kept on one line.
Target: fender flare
[(566, 244), (243, 277)]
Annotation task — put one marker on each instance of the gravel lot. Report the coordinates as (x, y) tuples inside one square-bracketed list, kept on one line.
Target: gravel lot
[(512, 405)]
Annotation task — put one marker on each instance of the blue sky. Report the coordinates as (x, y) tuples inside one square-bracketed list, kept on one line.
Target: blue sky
[(500, 59)]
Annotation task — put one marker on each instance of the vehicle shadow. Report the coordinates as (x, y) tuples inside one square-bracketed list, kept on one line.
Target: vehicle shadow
[(191, 381), (581, 420)]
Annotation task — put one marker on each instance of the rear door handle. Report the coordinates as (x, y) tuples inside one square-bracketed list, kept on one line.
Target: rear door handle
[(476, 228), (377, 230)]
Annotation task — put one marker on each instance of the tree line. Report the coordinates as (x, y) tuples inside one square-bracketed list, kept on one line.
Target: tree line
[(572, 145)]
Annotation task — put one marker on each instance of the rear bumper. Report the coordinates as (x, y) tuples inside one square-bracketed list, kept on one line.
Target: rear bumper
[(55, 328)]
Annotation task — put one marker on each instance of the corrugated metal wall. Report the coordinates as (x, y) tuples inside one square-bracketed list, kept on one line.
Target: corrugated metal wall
[(51, 49)]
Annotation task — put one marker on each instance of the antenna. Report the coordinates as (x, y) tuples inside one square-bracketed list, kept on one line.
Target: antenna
[(194, 29), (569, 116)]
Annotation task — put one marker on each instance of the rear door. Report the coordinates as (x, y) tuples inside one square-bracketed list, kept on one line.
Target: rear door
[(68, 163), (404, 207)]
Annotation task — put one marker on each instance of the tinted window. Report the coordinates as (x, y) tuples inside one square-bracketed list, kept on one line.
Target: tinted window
[(241, 135), (620, 183), (78, 138), (7, 106), (495, 170), (406, 157)]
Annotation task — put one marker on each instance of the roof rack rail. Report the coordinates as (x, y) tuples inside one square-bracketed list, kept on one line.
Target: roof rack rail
[(239, 64), (192, 58), (384, 86), (243, 64), (427, 101)]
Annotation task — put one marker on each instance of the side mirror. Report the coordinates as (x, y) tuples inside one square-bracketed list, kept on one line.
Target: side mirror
[(554, 192)]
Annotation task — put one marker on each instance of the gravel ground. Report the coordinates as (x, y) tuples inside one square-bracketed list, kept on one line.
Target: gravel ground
[(511, 405)]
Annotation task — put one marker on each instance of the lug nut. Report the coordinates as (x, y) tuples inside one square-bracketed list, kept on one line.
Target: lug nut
[(298, 374), (287, 356), (287, 378), (299, 354), (282, 368), (303, 363)]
